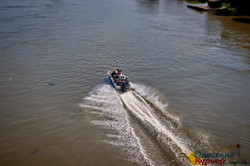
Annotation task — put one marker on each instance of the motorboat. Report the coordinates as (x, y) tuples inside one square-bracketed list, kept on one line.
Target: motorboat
[(118, 80)]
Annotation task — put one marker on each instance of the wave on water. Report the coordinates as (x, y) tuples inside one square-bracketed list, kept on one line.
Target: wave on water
[(143, 104), (106, 102)]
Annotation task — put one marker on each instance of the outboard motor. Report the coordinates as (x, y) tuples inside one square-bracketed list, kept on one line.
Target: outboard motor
[(125, 87)]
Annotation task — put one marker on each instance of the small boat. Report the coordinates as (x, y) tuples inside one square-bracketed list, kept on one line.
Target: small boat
[(118, 80)]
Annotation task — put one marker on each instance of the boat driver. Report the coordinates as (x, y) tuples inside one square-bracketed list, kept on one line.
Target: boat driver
[(121, 76)]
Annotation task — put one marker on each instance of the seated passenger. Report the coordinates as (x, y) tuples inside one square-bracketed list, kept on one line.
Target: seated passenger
[(121, 76), (114, 73)]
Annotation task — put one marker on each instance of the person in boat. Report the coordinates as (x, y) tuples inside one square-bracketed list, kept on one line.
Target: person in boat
[(117, 74), (114, 73), (121, 76)]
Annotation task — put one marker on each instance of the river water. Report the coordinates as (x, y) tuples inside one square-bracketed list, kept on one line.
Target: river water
[(190, 73)]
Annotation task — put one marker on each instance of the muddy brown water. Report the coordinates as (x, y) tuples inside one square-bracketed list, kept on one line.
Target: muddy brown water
[(190, 71)]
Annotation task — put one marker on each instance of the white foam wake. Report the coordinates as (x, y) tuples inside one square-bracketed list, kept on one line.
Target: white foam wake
[(142, 111), (144, 104), (105, 102), (154, 96)]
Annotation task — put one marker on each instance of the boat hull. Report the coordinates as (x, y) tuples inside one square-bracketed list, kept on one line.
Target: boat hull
[(122, 86)]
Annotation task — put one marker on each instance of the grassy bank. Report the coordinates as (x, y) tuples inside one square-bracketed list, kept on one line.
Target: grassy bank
[(196, 1)]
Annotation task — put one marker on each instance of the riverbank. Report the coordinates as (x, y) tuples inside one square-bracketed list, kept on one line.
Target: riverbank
[(232, 8), (223, 11)]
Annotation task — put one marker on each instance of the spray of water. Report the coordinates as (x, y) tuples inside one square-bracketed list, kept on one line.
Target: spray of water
[(105, 102), (144, 104)]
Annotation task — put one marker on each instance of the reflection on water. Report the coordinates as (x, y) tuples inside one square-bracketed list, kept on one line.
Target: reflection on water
[(242, 20), (148, 6), (236, 36)]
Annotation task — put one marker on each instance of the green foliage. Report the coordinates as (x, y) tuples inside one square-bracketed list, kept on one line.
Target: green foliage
[(226, 4), (234, 7), (196, 1), (233, 11), (237, 7)]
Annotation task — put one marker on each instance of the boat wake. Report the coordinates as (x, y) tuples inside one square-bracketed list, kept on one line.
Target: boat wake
[(142, 125)]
